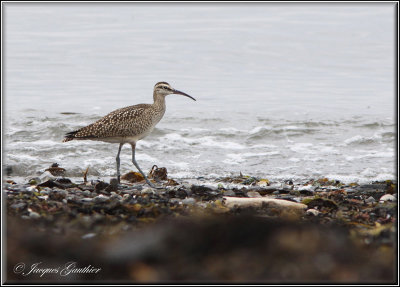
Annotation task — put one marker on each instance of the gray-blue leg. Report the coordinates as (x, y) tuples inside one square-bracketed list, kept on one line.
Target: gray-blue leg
[(137, 166), (118, 162)]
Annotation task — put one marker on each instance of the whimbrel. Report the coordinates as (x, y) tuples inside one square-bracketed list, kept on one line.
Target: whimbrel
[(128, 125)]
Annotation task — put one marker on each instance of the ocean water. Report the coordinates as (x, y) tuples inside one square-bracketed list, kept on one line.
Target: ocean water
[(284, 91)]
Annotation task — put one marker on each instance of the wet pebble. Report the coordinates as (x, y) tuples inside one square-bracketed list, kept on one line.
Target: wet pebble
[(126, 197), (100, 186), (253, 194), (147, 191), (312, 212), (100, 198), (46, 176), (86, 193), (115, 196), (307, 189), (175, 200), (87, 199), (113, 186), (387, 197), (370, 200), (229, 193), (350, 190), (189, 201), (45, 191), (19, 205), (31, 189), (57, 194), (34, 215), (88, 235)]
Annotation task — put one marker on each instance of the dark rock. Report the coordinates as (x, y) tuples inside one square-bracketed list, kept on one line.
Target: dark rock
[(229, 193), (113, 186), (179, 193), (8, 170), (57, 194), (52, 183), (320, 202), (100, 185), (19, 206)]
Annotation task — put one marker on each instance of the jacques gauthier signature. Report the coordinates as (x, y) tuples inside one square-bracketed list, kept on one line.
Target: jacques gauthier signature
[(67, 269)]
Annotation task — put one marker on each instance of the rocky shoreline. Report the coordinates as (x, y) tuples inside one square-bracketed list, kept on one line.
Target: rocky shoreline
[(233, 229)]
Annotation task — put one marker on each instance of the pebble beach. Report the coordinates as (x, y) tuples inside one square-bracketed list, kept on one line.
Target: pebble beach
[(232, 229)]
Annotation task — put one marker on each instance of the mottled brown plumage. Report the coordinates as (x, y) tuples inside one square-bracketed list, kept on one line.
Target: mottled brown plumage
[(129, 124), (125, 122)]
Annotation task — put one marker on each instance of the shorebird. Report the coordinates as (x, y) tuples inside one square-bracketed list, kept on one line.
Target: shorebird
[(128, 125)]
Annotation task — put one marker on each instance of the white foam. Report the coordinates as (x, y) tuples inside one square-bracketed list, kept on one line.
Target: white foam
[(358, 139), (259, 129), (233, 158), (369, 172), (181, 165), (230, 130), (304, 148), (204, 141), (22, 157)]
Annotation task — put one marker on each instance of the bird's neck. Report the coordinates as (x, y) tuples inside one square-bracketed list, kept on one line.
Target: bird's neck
[(159, 102)]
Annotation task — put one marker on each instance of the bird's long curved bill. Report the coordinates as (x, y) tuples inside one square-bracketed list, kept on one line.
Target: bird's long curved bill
[(183, 94)]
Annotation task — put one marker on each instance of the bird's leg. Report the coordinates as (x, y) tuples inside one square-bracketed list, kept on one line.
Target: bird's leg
[(118, 162), (137, 166)]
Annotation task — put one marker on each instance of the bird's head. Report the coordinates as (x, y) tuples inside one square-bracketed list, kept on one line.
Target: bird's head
[(164, 89)]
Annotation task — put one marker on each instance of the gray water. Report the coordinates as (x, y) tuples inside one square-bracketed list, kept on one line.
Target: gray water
[(284, 91)]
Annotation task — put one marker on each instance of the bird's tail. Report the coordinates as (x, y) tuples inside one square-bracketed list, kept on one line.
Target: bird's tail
[(69, 136)]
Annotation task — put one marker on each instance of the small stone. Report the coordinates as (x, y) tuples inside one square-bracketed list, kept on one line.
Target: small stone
[(100, 186), (46, 176), (350, 190), (126, 197), (387, 197), (45, 191), (34, 215), (253, 194), (32, 189), (34, 181), (307, 189), (57, 194), (263, 182), (175, 200), (88, 235), (18, 205), (313, 212), (114, 182), (189, 200), (86, 193), (100, 198), (229, 193), (370, 200), (115, 196), (147, 191)]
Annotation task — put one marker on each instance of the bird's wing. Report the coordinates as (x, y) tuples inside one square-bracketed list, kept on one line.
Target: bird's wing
[(119, 123)]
